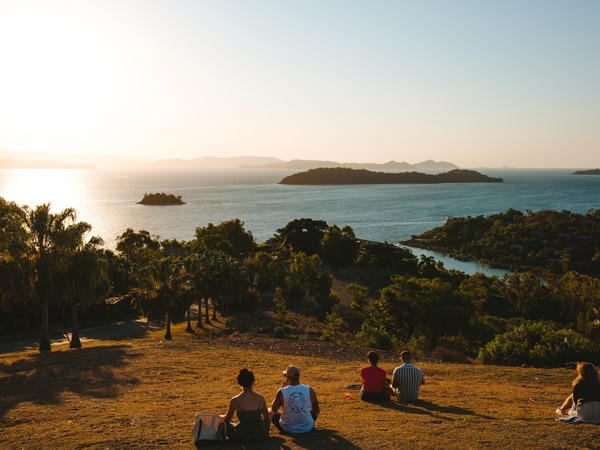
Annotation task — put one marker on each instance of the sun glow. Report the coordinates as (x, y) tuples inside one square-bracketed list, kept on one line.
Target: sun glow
[(56, 80), (33, 187)]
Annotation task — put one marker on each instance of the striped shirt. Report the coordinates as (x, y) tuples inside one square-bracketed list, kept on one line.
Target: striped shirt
[(408, 379)]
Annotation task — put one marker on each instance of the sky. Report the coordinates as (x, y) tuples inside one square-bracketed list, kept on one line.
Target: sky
[(480, 83)]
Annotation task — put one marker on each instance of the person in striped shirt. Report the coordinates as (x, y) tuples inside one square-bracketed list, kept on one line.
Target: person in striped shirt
[(407, 379)]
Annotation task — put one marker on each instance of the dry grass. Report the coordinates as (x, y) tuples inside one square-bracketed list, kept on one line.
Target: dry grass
[(143, 393)]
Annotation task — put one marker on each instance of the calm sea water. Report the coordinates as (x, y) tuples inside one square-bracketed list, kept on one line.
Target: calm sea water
[(107, 200)]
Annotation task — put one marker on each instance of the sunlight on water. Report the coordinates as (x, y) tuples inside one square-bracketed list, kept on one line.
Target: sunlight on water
[(33, 187)]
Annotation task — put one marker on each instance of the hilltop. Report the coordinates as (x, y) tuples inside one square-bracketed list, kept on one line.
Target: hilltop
[(143, 392)]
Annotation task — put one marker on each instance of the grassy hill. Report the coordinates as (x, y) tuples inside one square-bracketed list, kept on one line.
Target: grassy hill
[(143, 392)]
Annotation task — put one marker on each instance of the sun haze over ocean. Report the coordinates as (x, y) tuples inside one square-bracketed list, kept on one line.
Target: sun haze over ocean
[(478, 83)]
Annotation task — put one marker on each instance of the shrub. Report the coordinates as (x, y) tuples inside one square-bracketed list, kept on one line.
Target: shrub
[(538, 344), (250, 301), (373, 337), (450, 356)]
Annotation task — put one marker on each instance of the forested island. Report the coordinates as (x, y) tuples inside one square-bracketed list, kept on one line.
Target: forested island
[(343, 175), (587, 172), (161, 199), (558, 241)]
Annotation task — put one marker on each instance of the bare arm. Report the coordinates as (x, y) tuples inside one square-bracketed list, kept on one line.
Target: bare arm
[(264, 410), (230, 411), (277, 402)]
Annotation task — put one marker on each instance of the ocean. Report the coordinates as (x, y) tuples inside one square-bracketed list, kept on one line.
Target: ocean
[(107, 200)]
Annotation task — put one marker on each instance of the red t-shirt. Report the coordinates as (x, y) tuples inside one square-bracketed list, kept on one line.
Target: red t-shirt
[(373, 378)]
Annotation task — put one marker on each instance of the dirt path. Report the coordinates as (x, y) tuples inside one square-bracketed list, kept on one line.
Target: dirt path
[(116, 330)]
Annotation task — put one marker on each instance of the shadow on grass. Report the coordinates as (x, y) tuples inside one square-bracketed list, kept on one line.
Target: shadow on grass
[(43, 377), (428, 408), (319, 439)]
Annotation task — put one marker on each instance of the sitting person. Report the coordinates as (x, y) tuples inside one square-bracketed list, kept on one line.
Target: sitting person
[(295, 407), (251, 409), (375, 385), (584, 401), (407, 379)]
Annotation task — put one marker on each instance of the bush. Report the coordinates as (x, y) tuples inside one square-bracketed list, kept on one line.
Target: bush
[(450, 356), (538, 344), (373, 337), (279, 333), (250, 301)]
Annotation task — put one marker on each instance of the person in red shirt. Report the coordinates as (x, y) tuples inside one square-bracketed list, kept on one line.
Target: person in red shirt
[(375, 384)]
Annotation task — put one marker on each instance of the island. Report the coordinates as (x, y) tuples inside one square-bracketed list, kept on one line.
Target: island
[(343, 175), (587, 172), (161, 199)]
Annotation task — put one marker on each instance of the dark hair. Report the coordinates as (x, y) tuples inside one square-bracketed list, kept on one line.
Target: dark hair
[(405, 355), (245, 378), (373, 357)]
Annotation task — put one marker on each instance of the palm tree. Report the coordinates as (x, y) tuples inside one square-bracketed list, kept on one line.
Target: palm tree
[(49, 235), (87, 282), (15, 270), (164, 281)]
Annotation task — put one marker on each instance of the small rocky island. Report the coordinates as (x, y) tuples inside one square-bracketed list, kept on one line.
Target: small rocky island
[(587, 172), (161, 199), (342, 175)]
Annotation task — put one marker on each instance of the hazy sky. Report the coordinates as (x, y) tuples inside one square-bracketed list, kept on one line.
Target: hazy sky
[(474, 82)]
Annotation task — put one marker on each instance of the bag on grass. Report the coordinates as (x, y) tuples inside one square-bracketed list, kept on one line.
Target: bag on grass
[(208, 429)]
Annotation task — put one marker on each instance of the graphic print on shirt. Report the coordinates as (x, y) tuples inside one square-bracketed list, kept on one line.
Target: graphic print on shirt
[(298, 403)]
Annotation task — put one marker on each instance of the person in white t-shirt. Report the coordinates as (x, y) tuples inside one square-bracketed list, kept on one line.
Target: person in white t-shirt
[(295, 407)]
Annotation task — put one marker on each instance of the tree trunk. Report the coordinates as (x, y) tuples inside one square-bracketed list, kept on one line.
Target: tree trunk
[(189, 328), (45, 337), (199, 318), (75, 341), (206, 310), (168, 336), (214, 314)]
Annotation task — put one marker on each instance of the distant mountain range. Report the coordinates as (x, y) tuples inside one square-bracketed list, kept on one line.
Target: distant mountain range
[(9, 163), (37, 160)]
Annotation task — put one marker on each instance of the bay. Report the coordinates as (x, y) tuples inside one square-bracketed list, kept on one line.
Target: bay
[(107, 199)]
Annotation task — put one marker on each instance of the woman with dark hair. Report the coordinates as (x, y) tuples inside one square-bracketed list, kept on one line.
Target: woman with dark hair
[(375, 384), (584, 401), (251, 409)]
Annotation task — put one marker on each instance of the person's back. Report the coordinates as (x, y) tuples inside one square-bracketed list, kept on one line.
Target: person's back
[(584, 391), (373, 379), (251, 410), (407, 379), (296, 417), (295, 407)]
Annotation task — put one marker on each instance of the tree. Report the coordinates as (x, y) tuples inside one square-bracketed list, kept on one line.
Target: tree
[(419, 308), (303, 235), (163, 284), (339, 247), (265, 270), (50, 236), (87, 283), (16, 272), (359, 298), (137, 249), (314, 283), (229, 237)]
